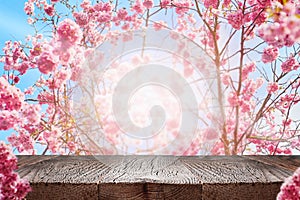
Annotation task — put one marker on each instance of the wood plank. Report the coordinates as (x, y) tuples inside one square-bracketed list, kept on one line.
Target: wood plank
[(63, 169), (237, 177), (57, 191), (60, 177), (136, 191), (233, 169), (156, 177), (140, 169), (241, 191), (286, 162)]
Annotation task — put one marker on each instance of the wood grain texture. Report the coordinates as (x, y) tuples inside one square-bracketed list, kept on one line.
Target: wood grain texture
[(137, 191), (56, 191), (241, 191), (156, 177)]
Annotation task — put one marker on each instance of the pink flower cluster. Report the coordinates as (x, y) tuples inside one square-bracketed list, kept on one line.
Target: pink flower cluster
[(271, 147), (49, 9), (69, 32), (235, 19), (254, 14), (47, 62), (138, 7), (8, 119), (29, 8), (52, 139), (285, 30), (289, 65), (272, 87), (63, 49), (182, 7), (211, 3), (165, 3), (11, 97), (247, 69), (95, 21), (286, 101), (244, 99), (102, 16), (23, 142), (290, 189), (15, 58), (11, 186), (148, 4), (17, 114), (270, 54)]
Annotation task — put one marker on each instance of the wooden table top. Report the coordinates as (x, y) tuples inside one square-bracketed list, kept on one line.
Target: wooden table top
[(156, 177)]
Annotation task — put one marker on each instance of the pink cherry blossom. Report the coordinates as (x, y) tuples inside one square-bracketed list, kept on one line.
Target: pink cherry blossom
[(226, 79), (31, 112), (29, 90), (248, 68), (8, 119), (49, 10), (273, 34), (23, 142), (289, 65), (259, 31), (287, 122), (245, 106), (148, 4), (165, 3), (11, 185), (258, 15), (235, 19), (85, 4), (270, 54), (211, 3), (296, 84), (47, 62), (29, 8), (188, 70), (282, 32), (36, 50), (16, 79), (291, 187), (182, 7), (138, 7), (232, 99), (81, 18), (59, 79), (264, 3), (272, 87), (45, 98), (69, 31), (51, 137), (122, 14), (226, 3), (23, 67), (11, 96)]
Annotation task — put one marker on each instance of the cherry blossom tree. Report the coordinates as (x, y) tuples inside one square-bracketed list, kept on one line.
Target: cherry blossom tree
[(252, 44), (11, 186), (290, 188)]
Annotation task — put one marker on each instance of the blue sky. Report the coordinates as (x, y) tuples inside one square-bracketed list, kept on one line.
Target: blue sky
[(13, 26), (13, 21)]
